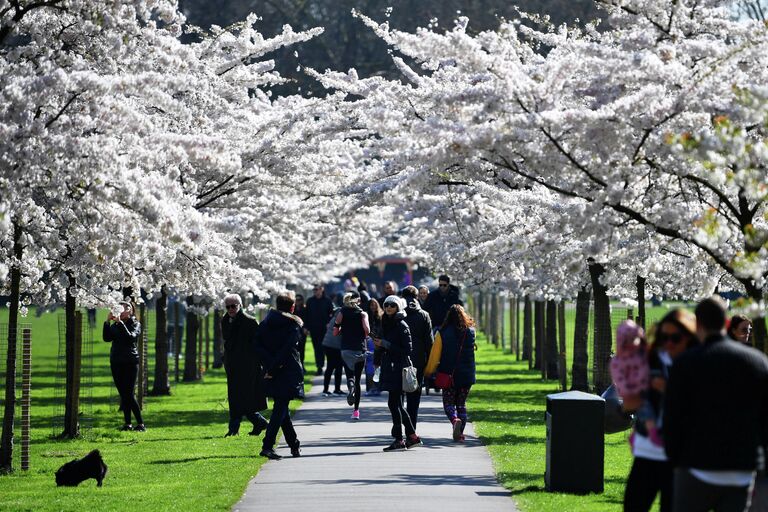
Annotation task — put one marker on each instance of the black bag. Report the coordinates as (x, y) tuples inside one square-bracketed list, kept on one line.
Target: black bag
[(616, 419)]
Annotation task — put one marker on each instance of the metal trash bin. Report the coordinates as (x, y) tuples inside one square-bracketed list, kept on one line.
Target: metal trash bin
[(575, 442)]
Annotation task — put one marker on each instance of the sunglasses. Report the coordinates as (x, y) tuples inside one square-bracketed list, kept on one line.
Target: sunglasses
[(674, 338), (443, 285), (390, 305), (232, 306)]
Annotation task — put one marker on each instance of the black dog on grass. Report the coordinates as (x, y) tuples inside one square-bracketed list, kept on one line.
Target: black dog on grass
[(78, 470)]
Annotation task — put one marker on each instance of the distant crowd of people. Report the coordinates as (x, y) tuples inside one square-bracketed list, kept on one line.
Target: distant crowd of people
[(699, 393)]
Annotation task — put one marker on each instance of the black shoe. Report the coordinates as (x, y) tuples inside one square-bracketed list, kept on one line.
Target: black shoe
[(397, 445), (140, 428), (319, 371), (351, 396), (413, 441), (338, 392), (296, 450), (270, 454), (231, 433), (259, 428), (126, 427)]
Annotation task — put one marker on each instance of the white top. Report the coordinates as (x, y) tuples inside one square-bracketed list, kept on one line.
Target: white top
[(645, 449), (729, 478)]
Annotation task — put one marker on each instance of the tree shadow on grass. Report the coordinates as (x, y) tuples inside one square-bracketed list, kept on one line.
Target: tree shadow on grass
[(197, 459)]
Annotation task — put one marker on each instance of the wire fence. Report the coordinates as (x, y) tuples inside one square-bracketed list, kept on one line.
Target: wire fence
[(86, 372)]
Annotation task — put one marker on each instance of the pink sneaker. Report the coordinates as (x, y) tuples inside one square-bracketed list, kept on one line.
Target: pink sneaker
[(356, 415), (457, 429)]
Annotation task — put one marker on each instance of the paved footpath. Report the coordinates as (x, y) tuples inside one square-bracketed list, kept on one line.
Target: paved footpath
[(342, 466)]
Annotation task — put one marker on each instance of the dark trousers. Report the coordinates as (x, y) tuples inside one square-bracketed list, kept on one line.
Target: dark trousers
[(332, 368), (693, 495), (400, 416), (354, 375), (236, 417), (124, 375), (413, 399), (647, 478), (280, 419), (317, 344)]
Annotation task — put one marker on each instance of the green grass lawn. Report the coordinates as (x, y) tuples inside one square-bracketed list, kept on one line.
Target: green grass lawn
[(507, 407), (182, 461)]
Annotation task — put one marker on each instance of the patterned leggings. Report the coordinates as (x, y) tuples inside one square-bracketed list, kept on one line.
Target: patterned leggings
[(455, 403)]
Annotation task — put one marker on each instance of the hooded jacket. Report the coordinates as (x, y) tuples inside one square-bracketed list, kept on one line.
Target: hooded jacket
[(420, 326)]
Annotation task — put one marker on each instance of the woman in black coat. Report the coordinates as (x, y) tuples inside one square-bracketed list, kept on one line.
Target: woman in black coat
[(453, 352), (277, 342), (396, 344), (124, 334), (245, 392)]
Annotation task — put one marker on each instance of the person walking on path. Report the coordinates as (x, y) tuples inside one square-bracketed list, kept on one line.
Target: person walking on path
[(319, 310), (453, 353), (245, 392), (352, 323), (420, 326), (715, 417), (396, 343), (124, 334), (740, 329), (651, 472), (439, 301), (390, 289), (333, 365), (277, 342)]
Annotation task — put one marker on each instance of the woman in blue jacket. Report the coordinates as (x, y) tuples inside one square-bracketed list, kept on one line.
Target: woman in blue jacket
[(396, 344), (453, 352)]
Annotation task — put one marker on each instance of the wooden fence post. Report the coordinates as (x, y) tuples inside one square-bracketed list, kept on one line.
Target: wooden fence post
[(26, 386)]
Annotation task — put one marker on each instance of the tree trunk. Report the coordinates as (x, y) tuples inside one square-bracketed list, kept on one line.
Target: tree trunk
[(73, 343), (641, 301), (493, 320), (603, 336), (551, 340), (480, 305), (206, 330), (6, 440), (580, 341), (191, 370), (528, 332), (162, 384), (218, 361), (562, 364), (176, 338), (540, 349)]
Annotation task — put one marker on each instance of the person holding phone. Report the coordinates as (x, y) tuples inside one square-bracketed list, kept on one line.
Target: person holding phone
[(123, 331)]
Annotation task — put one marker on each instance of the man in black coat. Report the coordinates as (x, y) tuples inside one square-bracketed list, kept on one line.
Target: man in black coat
[(421, 338), (317, 314), (715, 417), (244, 387), (440, 301), (277, 342)]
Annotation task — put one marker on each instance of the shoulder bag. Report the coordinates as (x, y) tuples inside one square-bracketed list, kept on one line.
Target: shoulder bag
[(410, 381)]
